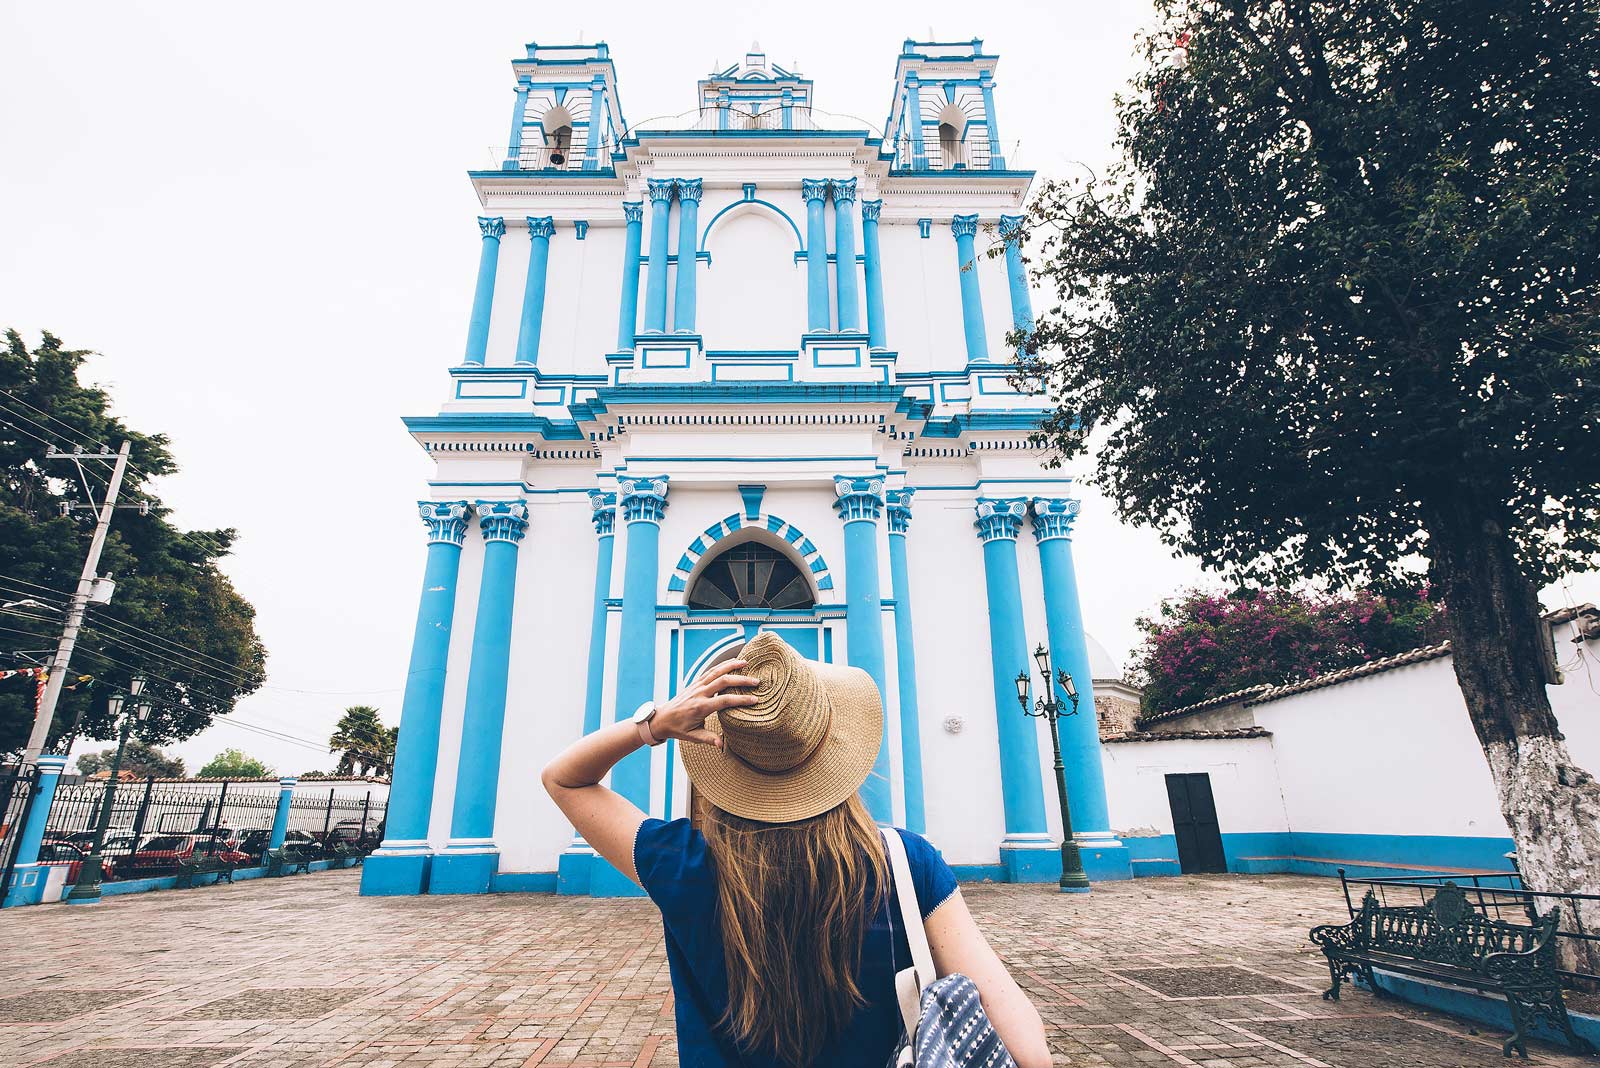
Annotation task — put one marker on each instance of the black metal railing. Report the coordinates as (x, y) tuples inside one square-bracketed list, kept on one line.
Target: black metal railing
[(535, 157), (1498, 895), (969, 155), (16, 798)]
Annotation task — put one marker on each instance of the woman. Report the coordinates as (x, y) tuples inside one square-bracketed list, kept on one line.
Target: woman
[(780, 925)]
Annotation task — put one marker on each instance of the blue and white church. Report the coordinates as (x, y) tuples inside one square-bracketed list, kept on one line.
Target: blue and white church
[(743, 368)]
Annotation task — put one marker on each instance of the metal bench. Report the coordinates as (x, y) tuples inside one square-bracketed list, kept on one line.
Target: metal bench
[(287, 859), (1448, 941), (208, 864)]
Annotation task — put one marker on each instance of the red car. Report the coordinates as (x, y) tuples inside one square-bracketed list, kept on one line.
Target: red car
[(71, 856), (162, 854)]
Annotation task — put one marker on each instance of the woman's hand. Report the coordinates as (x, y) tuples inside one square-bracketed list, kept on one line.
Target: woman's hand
[(684, 716)]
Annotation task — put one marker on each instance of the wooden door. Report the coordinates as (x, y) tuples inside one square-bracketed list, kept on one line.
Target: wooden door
[(1194, 822)]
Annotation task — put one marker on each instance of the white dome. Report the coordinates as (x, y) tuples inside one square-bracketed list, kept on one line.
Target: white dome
[(1101, 665)]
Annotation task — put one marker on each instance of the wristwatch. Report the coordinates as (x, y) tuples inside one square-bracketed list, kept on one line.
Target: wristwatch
[(642, 718)]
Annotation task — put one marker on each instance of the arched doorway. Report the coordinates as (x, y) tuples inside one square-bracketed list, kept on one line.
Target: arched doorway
[(751, 575)]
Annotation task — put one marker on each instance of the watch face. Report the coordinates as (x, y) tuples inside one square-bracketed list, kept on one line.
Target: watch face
[(646, 710)]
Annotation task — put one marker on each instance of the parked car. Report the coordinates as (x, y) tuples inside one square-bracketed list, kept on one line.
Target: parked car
[(73, 855), (255, 843), (363, 835), (162, 854)]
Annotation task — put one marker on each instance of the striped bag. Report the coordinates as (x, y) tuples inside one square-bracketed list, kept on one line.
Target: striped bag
[(945, 1025)]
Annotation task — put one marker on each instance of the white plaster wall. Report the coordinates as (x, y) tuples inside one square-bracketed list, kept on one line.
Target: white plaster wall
[(753, 295), (582, 291), (922, 296), (1244, 783)]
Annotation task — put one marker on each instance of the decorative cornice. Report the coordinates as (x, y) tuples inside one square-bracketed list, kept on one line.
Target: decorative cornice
[(964, 225), (1000, 517), (844, 190), (660, 189), (814, 189), (1012, 227), (604, 514), (899, 502), (543, 226), (688, 190), (503, 520), (633, 211), (492, 226), (446, 521), (1053, 516), (643, 498), (858, 498), (870, 210)]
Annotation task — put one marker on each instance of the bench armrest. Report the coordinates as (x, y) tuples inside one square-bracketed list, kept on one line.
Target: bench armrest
[(1337, 934)]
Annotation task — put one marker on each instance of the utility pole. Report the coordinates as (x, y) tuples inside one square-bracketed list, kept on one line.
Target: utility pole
[(80, 598)]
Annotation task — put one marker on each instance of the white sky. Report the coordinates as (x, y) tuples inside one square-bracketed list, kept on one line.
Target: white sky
[(260, 217)]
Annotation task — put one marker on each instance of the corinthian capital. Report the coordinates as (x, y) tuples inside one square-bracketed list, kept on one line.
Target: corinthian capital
[(543, 226), (1000, 517), (870, 210), (844, 189), (814, 188), (446, 520), (858, 497), (492, 227), (643, 498), (899, 502), (503, 520), (604, 514), (1053, 517), (660, 189), (1012, 227), (964, 225), (633, 211), (688, 189)]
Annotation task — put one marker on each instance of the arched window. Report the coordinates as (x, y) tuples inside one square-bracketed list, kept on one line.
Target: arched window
[(751, 575), (949, 144)]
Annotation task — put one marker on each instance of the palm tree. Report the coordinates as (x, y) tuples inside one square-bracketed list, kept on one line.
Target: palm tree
[(363, 743)]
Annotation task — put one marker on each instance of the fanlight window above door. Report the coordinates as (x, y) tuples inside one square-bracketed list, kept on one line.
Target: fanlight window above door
[(751, 575)]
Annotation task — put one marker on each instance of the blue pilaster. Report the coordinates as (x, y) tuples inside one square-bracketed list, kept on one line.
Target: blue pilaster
[(965, 229), (28, 875), (877, 335), (683, 296), (815, 191), (899, 507), (860, 504), (540, 230), (597, 124), (1026, 852), (788, 108), (1011, 228), (1104, 856), (483, 296), (470, 860), (997, 161), (514, 143), (844, 242), (573, 867), (628, 308), (280, 815), (400, 865), (912, 113), (655, 297)]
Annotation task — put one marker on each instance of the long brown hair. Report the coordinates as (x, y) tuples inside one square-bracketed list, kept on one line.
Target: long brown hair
[(794, 901)]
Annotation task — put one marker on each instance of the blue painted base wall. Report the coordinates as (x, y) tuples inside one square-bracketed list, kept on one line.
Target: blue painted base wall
[(395, 875), (1304, 853)]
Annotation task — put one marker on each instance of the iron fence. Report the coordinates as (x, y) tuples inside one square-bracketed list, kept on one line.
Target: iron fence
[(967, 155), (1498, 895), (536, 157), (16, 799)]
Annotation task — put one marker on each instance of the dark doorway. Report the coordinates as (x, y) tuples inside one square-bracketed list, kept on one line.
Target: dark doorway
[(1194, 821)]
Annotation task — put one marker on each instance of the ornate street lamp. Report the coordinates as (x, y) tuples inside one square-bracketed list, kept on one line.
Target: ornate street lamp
[(87, 888), (1052, 709)]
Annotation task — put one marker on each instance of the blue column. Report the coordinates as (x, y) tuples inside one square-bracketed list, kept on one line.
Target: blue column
[(280, 815), (1026, 852), (788, 109), (1104, 857), (514, 144), (815, 190), (483, 297), (844, 241), (874, 272), (912, 113), (628, 310), (400, 865), (1011, 227), (655, 297), (28, 875), (683, 296), (996, 159), (965, 227), (597, 123), (540, 231), (860, 503), (469, 862), (899, 502)]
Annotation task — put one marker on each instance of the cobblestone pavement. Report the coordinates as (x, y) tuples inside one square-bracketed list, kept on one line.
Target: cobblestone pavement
[(1212, 971)]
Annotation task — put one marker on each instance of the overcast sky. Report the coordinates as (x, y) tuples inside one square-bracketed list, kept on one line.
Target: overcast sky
[(259, 216)]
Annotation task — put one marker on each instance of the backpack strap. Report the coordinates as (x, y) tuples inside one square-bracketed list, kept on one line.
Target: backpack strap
[(910, 983)]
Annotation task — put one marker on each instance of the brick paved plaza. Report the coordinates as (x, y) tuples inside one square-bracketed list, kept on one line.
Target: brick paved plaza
[(1211, 971)]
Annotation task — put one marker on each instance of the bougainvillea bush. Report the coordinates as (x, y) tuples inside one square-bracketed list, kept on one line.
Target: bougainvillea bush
[(1202, 643)]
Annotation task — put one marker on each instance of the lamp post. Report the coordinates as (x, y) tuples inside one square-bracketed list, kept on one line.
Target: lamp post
[(87, 888), (1072, 877)]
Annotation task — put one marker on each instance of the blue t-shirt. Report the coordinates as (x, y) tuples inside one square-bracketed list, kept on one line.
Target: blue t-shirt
[(679, 874)]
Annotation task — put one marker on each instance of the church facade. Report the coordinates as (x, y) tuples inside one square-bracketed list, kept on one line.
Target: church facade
[(741, 369)]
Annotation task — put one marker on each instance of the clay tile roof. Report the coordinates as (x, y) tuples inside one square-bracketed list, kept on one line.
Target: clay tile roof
[(1236, 697), (1169, 736)]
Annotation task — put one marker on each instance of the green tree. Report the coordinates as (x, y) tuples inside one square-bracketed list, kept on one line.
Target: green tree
[(175, 616), (140, 758), (1335, 312), (233, 764), (364, 744)]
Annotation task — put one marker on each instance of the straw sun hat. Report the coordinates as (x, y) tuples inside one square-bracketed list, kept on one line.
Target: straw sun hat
[(807, 745)]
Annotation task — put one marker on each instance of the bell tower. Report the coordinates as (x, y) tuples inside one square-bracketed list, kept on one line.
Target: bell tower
[(942, 117), (567, 116)]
